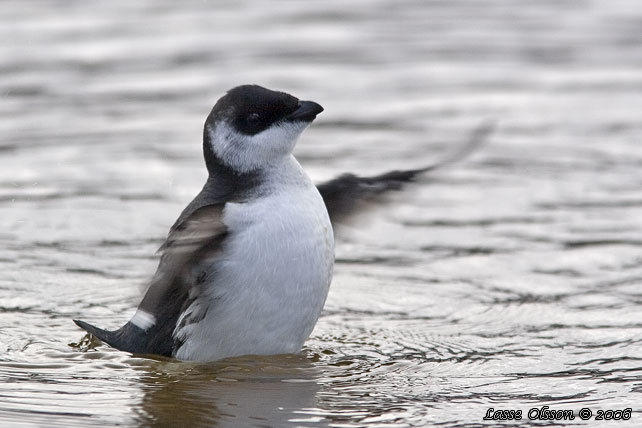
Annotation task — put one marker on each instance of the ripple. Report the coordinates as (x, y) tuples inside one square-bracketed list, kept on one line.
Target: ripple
[(509, 280)]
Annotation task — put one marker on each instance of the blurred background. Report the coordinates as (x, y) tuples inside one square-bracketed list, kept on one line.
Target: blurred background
[(511, 280)]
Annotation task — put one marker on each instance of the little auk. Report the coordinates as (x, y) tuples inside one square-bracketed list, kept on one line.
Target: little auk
[(247, 266)]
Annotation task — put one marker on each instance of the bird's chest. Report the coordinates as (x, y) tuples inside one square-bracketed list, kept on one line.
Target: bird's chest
[(280, 251)]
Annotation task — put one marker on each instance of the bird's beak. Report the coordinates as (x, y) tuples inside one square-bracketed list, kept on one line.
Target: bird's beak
[(306, 112)]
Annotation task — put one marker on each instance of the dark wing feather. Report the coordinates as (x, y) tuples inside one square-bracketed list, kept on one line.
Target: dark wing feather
[(347, 194), (200, 234), (202, 231)]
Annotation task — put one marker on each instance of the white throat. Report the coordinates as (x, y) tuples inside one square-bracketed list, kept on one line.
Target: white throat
[(245, 153)]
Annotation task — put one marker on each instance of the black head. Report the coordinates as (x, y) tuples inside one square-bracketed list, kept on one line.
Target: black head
[(251, 126), (250, 109)]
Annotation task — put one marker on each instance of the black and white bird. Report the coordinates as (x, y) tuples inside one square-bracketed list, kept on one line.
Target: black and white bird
[(247, 266)]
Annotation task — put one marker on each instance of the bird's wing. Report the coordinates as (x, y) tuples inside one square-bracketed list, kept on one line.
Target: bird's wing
[(347, 194), (199, 234)]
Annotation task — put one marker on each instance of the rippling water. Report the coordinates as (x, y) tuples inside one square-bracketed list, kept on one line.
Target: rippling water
[(512, 280)]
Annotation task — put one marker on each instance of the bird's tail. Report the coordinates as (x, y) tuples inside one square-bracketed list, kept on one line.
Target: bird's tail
[(131, 338), (109, 337)]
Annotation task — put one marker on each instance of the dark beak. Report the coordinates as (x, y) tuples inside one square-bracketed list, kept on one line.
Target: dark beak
[(306, 112)]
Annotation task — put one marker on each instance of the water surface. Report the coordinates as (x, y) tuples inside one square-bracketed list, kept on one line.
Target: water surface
[(512, 280)]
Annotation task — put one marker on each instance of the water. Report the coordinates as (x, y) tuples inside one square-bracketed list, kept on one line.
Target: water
[(511, 280)]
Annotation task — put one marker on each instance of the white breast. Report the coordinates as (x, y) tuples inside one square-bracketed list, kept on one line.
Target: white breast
[(273, 277)]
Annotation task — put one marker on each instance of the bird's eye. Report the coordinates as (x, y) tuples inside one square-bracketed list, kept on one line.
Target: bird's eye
[(253, 118)]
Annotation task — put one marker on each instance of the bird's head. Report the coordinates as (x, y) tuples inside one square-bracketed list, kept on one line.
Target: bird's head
[(251, 127)]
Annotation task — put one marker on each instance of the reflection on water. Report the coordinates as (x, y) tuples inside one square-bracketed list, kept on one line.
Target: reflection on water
[(512, 280), (259, 391)]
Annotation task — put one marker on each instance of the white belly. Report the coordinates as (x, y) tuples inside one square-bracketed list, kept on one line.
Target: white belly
[(272, 279)]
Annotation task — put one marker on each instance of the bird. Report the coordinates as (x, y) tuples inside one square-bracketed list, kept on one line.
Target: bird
[(247, 266)]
